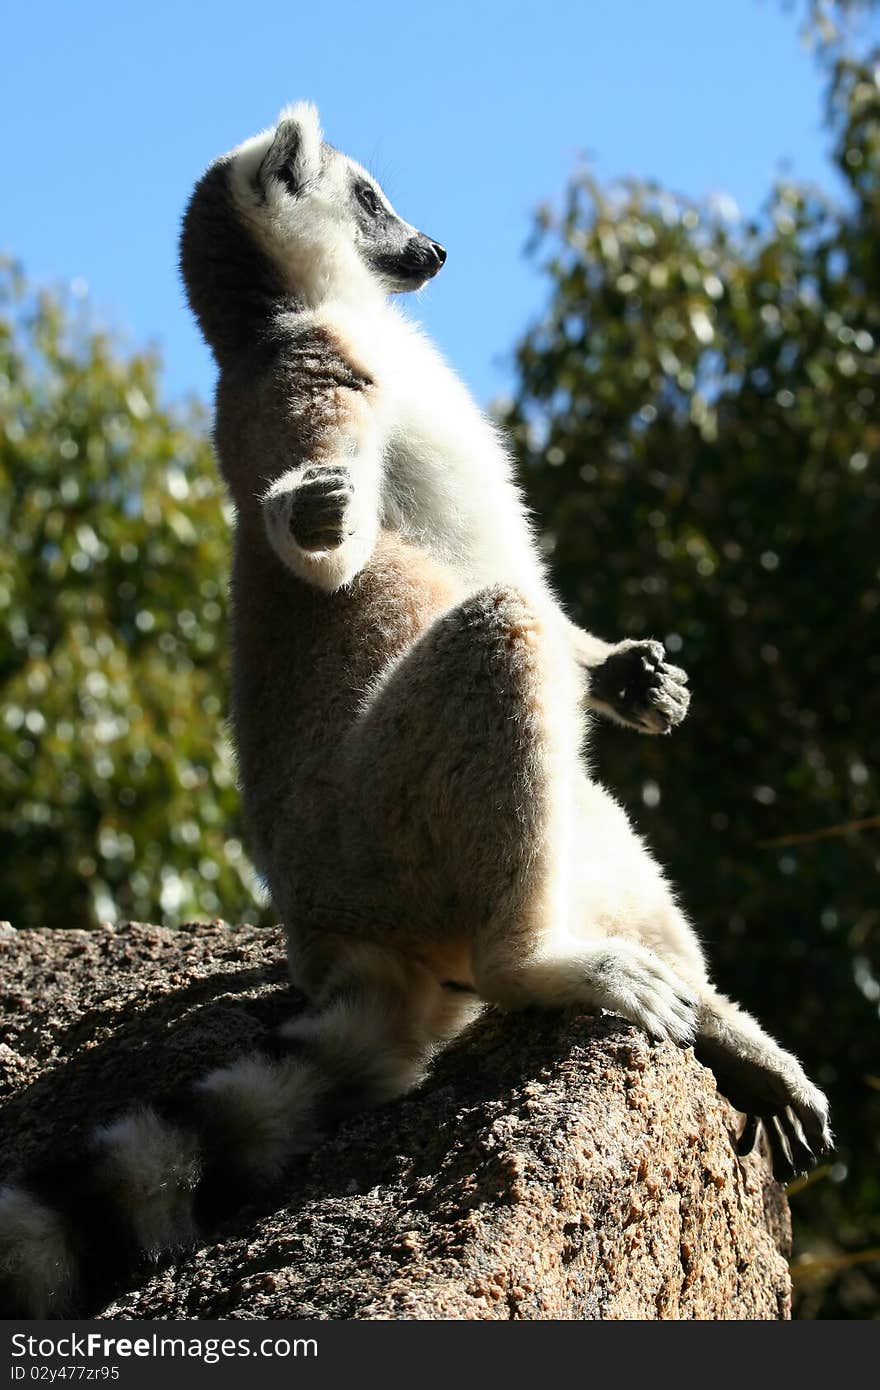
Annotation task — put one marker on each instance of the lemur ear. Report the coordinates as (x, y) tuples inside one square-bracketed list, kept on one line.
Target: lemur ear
[(294, 155)]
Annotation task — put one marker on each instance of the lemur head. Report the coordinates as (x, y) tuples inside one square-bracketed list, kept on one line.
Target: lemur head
[(324, 218), (285, 216)]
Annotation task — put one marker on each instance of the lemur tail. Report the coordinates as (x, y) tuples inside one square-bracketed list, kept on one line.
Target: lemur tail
[(142, 1188)]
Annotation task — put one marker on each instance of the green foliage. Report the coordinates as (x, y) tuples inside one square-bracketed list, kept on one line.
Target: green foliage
[(697, 422), (117, 795)]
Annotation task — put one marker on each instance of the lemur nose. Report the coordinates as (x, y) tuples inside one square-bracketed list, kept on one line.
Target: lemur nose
[(439, 251)]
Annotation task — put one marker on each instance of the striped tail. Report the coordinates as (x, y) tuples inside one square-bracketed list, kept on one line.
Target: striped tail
[(140, 1190)]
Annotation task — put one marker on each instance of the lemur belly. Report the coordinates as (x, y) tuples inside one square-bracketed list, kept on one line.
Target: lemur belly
[(447, 479)]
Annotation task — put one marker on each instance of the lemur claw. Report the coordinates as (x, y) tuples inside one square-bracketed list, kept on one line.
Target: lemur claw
[(749, 1137), (776, 1096)]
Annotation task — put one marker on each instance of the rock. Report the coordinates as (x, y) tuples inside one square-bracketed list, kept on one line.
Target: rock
[(553, 1166)]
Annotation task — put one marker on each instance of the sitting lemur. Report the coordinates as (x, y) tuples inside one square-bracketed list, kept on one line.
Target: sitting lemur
[(410, 707)]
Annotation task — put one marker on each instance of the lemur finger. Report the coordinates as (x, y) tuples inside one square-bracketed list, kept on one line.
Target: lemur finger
[(673, 687), (677, 674), (749, 1137), (316, 520), (651, 721), (318, 493), (325, 471), (667, 1015), (655, 971), (322, 538), (679, 1020), (669, 701), (651, 1004), (666, 681), (676, 715), (801, 1154), (661, 1030), (662, 1026), (661, 717), (783, 1167), (812, 1114)]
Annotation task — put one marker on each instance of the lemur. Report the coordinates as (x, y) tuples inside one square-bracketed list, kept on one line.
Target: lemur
[(409, 708)]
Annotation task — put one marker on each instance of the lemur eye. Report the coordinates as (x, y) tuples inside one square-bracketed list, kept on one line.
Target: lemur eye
[(368, 199)]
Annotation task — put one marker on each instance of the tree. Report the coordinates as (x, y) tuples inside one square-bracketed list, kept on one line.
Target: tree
[(117, 795), (697, 421)]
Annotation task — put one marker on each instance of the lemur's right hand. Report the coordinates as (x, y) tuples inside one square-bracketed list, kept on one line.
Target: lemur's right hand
[(637, 687), (320, 506)]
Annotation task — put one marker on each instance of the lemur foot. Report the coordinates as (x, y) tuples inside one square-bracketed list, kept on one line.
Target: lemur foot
[(798, 1134), (319, 508), (775, 1094), (637, 985), (637, 687)]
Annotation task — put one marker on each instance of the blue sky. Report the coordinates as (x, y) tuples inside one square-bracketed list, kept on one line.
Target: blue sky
[(471, 113)]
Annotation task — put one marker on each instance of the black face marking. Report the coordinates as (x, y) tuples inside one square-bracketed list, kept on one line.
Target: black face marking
[(404, 258), (368, 200), (410, 264)]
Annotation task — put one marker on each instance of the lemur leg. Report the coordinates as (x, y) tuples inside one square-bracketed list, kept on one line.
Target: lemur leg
[(464, 770), (467, 787), (765, 1082)]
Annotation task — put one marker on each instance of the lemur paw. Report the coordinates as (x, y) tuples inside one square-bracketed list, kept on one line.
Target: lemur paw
[(638, 986), (798, 1134), (320, 506), (640, 689), (775, 1094)]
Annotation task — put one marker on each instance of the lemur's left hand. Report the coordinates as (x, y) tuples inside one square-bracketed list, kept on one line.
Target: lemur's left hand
[(637, 687)]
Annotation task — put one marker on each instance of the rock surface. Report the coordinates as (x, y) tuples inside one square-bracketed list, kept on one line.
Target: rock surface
[(552, 1167)]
